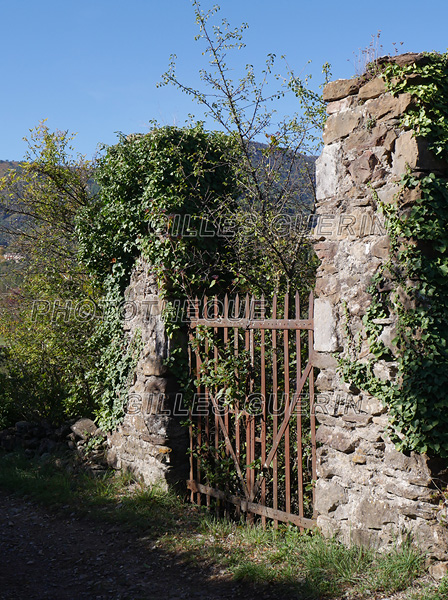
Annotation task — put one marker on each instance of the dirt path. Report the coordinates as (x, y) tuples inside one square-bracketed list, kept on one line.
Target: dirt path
[(45, 555)]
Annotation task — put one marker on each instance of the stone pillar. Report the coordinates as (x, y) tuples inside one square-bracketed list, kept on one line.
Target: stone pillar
[(151, 441), (367, 492)]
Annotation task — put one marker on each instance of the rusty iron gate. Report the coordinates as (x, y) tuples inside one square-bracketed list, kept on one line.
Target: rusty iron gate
[(252, 423)]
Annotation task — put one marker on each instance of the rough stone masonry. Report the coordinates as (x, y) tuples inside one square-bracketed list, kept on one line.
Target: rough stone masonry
[(367, 492), (151, 441)]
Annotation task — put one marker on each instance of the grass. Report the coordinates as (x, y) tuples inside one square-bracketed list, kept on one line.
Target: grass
[(300, 562)]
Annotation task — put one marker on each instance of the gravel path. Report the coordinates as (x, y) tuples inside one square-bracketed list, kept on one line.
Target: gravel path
[(45, 555)]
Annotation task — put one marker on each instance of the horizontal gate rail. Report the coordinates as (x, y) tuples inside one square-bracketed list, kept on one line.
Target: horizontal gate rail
[(281, 324), (257, 509), (272, 468)]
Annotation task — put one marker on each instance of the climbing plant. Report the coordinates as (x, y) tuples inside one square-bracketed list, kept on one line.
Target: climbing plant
[(159, 192), (414, 283)]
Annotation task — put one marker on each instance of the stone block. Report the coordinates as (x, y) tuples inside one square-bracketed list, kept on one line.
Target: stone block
[(113, 459), (371, 434), (389, 193), (324, 418), (339, 439), (329, 171), (381, 248), (325, 250), (373, 513), (372, 406), (354, 222), (372, 89), (414, 152), (432, 538), (325, 338), (359, 457), (364, 138), (358, 536), (388, 106), (84, 428), (389, 141), (362, 168), (328, 287), (332, 463), (323, 360), (410, 58), (329, 495), (326, 380), (360, 420), (388, 336), (409, 196), (340, 125), (386, 371), (439, 570), (422, 510), (335, 90), (414, 466), (340, 105), (328, 526), (158, 385), (408, 490), (153, 366)]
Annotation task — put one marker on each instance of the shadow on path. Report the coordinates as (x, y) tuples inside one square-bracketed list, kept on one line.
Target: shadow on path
[(48, 556)]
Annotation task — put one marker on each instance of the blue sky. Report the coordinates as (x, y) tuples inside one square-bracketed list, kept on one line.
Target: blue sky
[(91, 66)]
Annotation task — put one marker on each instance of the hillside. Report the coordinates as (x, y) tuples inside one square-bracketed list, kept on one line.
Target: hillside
[(301, 195), (296, 173)]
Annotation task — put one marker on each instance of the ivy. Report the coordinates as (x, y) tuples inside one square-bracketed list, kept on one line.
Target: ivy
[(413, 285), (159, 197), (118, 356)]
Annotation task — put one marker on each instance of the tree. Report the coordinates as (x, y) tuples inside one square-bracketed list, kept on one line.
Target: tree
[(43, 315), (275, 179)]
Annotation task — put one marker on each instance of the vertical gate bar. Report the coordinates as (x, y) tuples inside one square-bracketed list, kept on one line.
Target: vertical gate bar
[(226, 343), (275, 410), (207, 399), (299, 411), (226, 408), (247, 415), (192, 370), (215, 356), (287, 403), (198, 389), (215, 391), (236, 410), (264, 412), (251, 389), (311, 388)]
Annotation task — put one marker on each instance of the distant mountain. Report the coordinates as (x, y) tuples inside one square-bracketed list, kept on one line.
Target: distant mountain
[(298, 177), (5, 165), (296, 182)]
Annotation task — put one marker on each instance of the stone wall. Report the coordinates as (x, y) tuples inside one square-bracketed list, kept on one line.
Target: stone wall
[(151, 441), (367, 492)]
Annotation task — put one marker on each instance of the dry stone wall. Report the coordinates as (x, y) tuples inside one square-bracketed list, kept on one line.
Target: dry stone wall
[(367, 492), (151, 441)]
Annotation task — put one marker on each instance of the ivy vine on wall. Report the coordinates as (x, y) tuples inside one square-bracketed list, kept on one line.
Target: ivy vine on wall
[(159, 193), (413, 284)]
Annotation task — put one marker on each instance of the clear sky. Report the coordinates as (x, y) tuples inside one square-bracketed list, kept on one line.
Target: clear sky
[(91, 66)]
